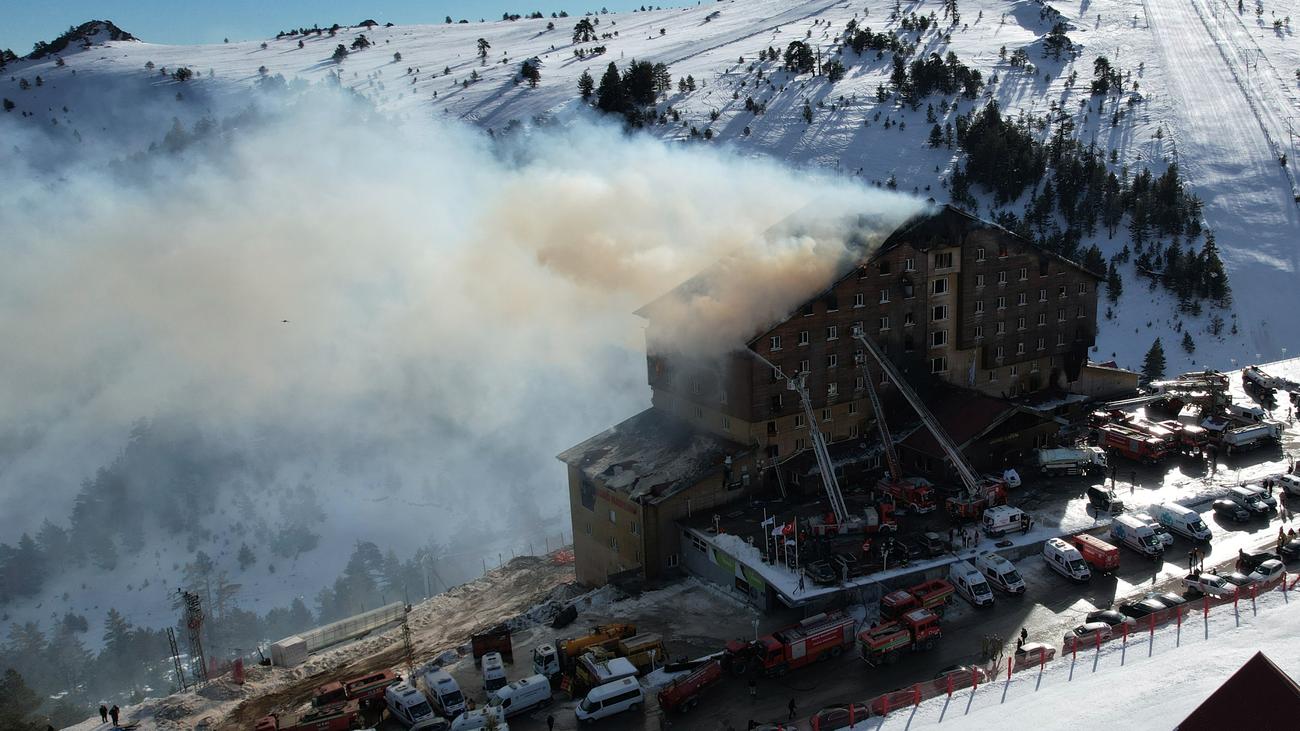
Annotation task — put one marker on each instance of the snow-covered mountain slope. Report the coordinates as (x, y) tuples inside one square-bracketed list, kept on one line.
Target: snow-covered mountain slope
[(1218, 90), (1217, 94)]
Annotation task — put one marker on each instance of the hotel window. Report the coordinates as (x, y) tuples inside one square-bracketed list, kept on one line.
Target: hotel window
[(1042, 344), (1002, 303), (832, 332), (979, 280), (939, 313), (798, 445), (939, 286), (1042, 295), (803, 337), (884, 296), (832, 303), (1060, 314), (699, 413), (943, 260), (1020, 299), (979, 332), (833, 390), (832, 360), (1002, 277), (803, 366), (613, 518), (1020, 323), (993, 375), (859, 300), (726, 423), (776, 342), (908, 320), (853, 408), (1020, 348), (1000, 329), (979, 254), (698, 543), (1078, 310), (938, 338), (1042, 319), (853, 431), (938, 365), (884, 266), (1060, 291), (1083, 287), (695, 386), (884, 322), (672, 561), (979, 307), (826, 414), (1000, 352), (1024, 274), (1060, 339), (799, 421), (806, 310), (635, 528), (859, 383), (1015, 371), (909, 265), (857, 329)]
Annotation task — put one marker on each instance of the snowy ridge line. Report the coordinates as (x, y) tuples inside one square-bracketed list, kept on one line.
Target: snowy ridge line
[(1250, 100), (922, 700)]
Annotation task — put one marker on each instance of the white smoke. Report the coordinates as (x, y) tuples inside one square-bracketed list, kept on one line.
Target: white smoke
[(413, 318)]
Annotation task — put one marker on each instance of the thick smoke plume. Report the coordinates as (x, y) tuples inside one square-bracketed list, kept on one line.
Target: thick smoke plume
[(412, 319)]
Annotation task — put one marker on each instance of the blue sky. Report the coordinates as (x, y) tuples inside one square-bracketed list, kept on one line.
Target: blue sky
[(189, 21)]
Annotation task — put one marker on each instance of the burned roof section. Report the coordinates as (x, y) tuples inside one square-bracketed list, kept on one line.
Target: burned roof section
[(650, 456)]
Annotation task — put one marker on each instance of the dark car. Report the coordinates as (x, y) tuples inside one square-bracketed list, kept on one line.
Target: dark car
[(1251, 561), (1236, 577), (848, 561), (1109, 616), (1169, 599), (933, 544), (1290, 550), (822, 572), (1138, 610), (837, 717), (1104, 500), (908, 548), (1229, 510), (962, 676)]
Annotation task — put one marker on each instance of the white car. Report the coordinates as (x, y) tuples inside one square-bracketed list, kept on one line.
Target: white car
[(1267, 571), (1290, 484), (1204, 582)]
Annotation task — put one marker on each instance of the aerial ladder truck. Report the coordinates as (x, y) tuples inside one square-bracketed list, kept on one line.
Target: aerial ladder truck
[(838, 521), (980, 492), (914, 493)]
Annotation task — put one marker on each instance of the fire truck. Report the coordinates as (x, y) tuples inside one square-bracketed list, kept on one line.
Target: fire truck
[(1132, 443), (884, 644), (683, 694), (934, 595), (816, 638), (365, 690)]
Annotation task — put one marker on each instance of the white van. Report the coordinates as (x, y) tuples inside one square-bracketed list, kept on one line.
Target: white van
[(611, 698), (1166, 538), (1004, 519), (970, 584), (522, 695), (1137, 535), (409, 706), (1246, 413), (1182, 520), (444, 693), (494, 672), (1000, 572), (1248, 499), (1065, 560), (478, 719)]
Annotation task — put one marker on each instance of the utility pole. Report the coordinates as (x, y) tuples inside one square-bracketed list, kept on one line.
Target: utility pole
[(408, 647)]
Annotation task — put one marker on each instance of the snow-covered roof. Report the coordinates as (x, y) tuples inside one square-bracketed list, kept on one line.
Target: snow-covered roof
[(652, 455)]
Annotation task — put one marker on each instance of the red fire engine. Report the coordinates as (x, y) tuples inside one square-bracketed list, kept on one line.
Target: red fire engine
[(817, 637), (916, 630)]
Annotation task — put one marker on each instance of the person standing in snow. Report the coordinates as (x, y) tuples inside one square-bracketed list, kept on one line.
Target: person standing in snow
[(113, 713), (1191, 559), (1024, 635), (103, 713), (792, 707)]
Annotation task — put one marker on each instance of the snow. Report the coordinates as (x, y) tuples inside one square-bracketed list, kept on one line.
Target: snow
[(1155, 682), (1218, 85)]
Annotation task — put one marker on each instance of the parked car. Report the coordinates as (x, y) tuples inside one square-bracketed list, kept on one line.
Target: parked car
[(1033, 653), (934, 544), (1267, 571), (909, 548), (821, 572), (1109, 616), (1088, 634), (837, 717), (1236, 577), (1104, 500), (1291, 549), (1228, 510), (1140, 609), (1249, 561), (962, 676), (1169, 599), (1289, 484)]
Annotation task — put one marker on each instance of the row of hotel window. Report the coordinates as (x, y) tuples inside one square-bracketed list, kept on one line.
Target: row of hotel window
[(938, 314), (943, 260), (938, 286)]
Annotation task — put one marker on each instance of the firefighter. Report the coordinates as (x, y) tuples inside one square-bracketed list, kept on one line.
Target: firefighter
[(792, 707)]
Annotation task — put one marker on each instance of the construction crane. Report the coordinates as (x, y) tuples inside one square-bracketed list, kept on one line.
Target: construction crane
[(841, 521), (980, 493), (916, 493)]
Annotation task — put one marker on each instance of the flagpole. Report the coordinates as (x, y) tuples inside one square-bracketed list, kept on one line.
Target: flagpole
[(765, 532)]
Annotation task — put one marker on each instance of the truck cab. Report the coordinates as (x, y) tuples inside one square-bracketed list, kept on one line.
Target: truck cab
[(1000, 572)]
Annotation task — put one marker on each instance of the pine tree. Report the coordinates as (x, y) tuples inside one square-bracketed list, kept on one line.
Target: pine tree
[(1114, 284), (610, 96), (586, 86), (531, 73), (1153, 366), (1189, 345), (936, 136), (246, 557), (340, 53), (483, 47), (17, 701)]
